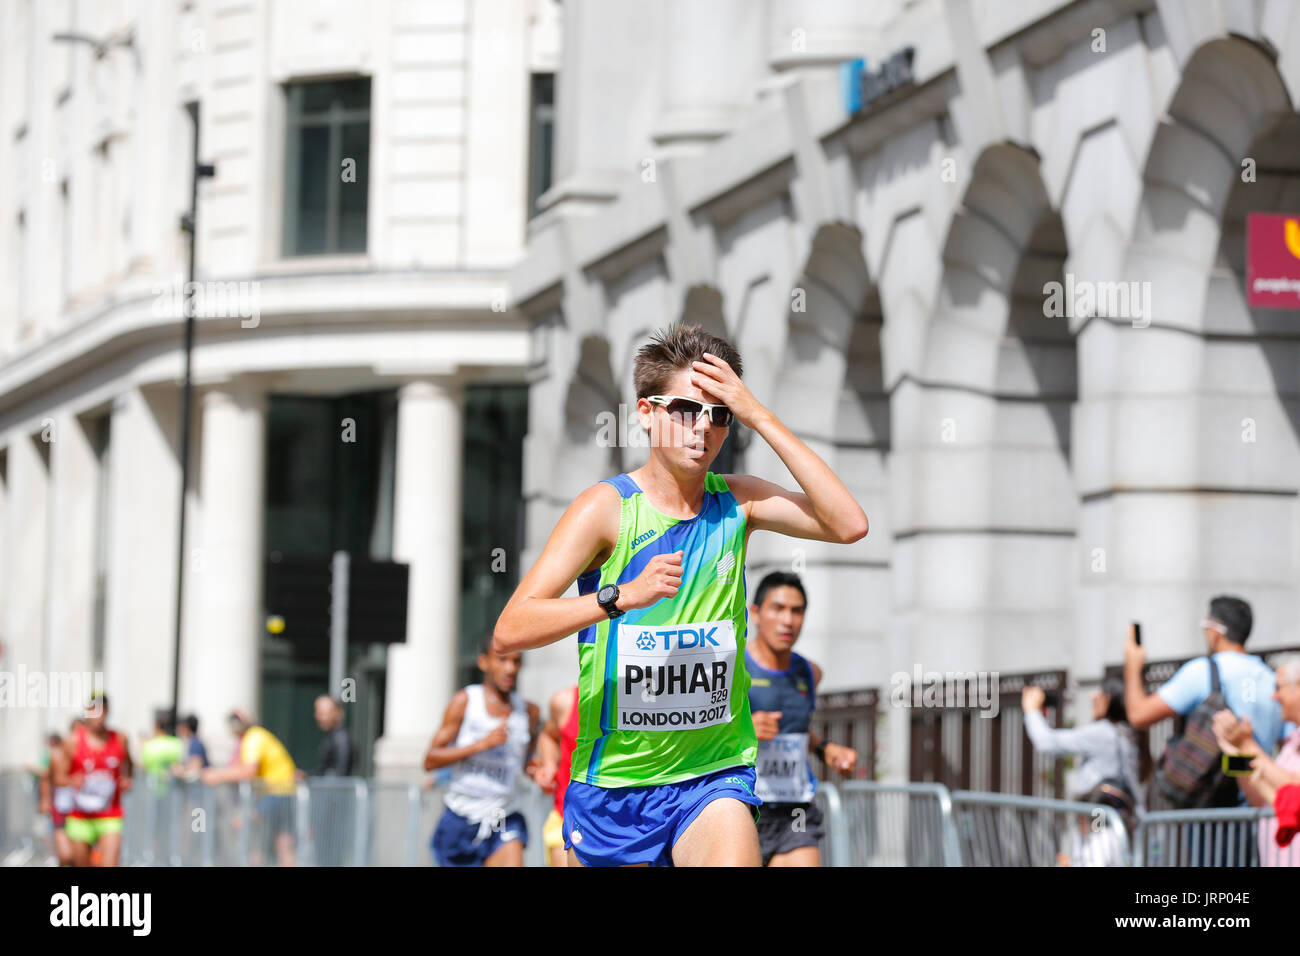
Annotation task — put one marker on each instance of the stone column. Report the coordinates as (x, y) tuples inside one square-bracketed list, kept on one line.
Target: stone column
[(144, 482), (712, 60), (426, 536), (221, 654)]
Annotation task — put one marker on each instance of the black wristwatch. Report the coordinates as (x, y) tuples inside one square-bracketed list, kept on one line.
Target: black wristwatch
[(820, 751), (607, 598)]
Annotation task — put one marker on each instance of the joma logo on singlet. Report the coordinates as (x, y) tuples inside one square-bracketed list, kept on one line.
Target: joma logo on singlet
[(637, 542)]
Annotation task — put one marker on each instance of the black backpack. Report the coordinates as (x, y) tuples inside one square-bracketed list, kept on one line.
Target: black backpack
[(1115, 791), (1190, 775)]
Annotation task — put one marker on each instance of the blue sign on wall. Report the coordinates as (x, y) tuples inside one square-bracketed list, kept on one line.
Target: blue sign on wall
[(862, 87), (851, 83)]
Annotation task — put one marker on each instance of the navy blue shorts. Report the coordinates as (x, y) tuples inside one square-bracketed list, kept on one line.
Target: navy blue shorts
[(455, 841), (625, 825)]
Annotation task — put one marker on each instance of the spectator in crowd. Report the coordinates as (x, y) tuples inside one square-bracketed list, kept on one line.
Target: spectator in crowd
[(1108, 773), (1246, 681), (196, 755), (163, 751), (1269, 773), (336, 749), (1246, 684), (262, 758)]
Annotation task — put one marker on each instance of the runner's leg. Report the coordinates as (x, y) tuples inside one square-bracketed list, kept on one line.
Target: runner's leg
[(80, 853), (110, 849), (507, 854), (63, 847), (722, 835)]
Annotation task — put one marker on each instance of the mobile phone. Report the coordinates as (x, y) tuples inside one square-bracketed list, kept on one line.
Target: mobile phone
[(1237, 765), (1137, 633)]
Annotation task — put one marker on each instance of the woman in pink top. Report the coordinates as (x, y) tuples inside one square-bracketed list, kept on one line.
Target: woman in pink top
[(1270, 773)]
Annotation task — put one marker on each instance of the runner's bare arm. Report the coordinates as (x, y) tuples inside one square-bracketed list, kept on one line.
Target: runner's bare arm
[(548, 742), (536, 615), (62, 771), (825, 511), (838, 756), (534, 726), (128, 765), (814, 738), (769, 507), (441, 753)]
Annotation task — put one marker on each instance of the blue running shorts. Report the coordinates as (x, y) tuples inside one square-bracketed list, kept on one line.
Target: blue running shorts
[(625, 825), (455, 842)]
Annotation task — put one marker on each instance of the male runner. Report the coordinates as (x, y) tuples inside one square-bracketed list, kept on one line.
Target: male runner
[(487, 731), (663, 770), (96, 762), (55, 802), (783, 696), (555, 749)]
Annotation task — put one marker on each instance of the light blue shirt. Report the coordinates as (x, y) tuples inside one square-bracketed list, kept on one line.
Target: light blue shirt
[(1247, 684)]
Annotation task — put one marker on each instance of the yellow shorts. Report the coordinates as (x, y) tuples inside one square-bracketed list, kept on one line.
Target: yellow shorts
[(552, 834), (90, 830)]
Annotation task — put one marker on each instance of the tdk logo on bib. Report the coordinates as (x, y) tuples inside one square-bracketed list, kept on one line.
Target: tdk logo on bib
[(675, 677), (677, 639)]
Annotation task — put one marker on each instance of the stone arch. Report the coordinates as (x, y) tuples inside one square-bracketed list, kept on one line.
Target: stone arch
[(1180, 499), (991, 513), (829, 390), (594, 427)]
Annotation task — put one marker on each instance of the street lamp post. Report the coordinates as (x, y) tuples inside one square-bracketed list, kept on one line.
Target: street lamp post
[(189, 222)]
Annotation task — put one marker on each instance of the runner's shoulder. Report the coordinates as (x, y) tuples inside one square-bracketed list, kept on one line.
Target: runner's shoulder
[(561, 703), (598, 508), (459, 701), (746, 488)]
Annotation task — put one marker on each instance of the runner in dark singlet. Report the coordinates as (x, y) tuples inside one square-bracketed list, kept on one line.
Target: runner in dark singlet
[(783, 696)]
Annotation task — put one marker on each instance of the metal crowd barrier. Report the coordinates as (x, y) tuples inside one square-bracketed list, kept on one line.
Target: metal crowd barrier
[(998, 829), (1235, 836), (356, 822), (884, 824), (22, 836)]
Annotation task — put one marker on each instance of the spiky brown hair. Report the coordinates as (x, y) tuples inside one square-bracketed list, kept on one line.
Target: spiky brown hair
[(674, 348)]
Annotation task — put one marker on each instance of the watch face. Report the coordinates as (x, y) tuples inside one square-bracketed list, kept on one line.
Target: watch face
[(606, 594)]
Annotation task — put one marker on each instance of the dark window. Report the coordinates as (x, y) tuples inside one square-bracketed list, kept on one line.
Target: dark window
[(540, 138), (496, 420), (327, 170)]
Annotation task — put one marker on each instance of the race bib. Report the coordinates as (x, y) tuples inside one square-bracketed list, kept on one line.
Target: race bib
[(494, 768), (783, 769), (96, 791), (64, 799), (675, 677)]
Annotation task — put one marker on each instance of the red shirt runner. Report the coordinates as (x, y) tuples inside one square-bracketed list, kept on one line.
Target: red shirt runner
[(568, 740), (99, 793)]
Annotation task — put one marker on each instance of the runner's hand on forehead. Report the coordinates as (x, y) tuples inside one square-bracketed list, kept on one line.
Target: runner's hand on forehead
[(767, 724), (661, 578), (721, 385)]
